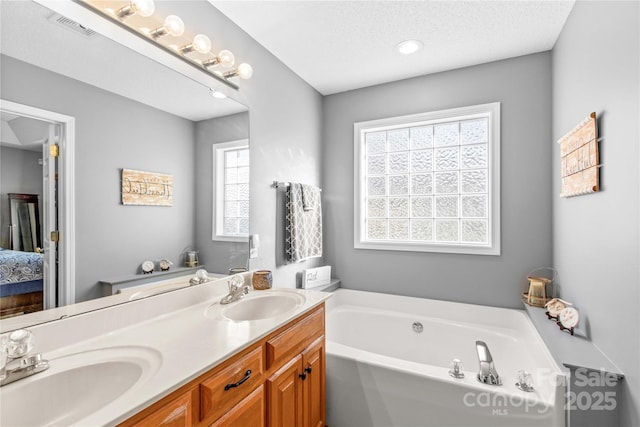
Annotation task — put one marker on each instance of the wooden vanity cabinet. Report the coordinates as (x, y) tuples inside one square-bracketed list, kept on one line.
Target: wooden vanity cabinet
[(295, 392), (173, 412), (285, 385)]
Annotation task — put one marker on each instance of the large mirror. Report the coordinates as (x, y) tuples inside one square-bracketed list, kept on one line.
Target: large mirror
[(129, 112)]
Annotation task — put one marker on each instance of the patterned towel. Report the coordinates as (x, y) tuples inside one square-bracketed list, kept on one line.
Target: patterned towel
[(304, 225), (310, 197)]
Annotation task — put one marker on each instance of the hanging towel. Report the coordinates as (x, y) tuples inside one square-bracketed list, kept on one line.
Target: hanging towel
[(304, 225), (310, 197)]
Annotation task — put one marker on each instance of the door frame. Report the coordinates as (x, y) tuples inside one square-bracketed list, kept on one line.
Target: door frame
[(66, 193)]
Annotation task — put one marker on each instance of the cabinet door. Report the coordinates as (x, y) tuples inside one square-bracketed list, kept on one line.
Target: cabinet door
[(284, 395), (313, 365), (176, 413), (248, 413)]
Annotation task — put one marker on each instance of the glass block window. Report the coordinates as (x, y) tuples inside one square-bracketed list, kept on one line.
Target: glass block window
[(429, 182), (231, 198)]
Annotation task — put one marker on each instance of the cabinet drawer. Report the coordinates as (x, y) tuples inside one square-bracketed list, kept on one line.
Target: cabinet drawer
[(295, 338), (226, 388)]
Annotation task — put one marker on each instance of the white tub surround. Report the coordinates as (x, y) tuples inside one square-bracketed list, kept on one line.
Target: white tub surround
[(177, 336), (381, 372), (595, 381)]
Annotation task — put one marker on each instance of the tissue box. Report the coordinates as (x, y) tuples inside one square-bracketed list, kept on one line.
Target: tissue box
[(314, 277)]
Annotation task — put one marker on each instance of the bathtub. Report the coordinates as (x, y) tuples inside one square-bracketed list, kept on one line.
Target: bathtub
[(381, 372)]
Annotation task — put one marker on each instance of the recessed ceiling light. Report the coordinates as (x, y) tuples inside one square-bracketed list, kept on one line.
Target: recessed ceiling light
[(217, 94), (408, 47)]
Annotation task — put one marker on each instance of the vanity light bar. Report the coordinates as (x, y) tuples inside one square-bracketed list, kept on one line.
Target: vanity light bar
[(138, 16)]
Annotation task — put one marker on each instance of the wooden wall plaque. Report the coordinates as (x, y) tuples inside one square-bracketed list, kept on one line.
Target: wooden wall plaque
[(146, 188), (579, 159)]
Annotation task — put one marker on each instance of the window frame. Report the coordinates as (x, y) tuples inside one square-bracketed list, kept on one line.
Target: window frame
[(219, 151), (489, 110)]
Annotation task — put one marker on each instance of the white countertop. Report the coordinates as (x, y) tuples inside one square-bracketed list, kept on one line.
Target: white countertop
[(181, 333)]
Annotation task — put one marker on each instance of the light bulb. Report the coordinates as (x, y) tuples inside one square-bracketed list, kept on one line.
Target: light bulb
[(174, 25), (201, 43), (143, 7), (245, 71), (226, 58)]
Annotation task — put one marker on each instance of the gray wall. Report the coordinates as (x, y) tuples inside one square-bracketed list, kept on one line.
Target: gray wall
[(217, 256), (113, 132), (596, 237), (523, 86), (19, 173), (286, 131)]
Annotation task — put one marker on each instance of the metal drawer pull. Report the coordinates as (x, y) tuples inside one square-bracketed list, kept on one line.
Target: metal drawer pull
[(232, 385)]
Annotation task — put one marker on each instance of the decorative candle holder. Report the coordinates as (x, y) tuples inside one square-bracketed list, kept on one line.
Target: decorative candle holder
[(262, 279), (191, 259)]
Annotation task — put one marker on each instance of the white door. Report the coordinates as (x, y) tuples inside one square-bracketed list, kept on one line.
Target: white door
[(58, 200), (50, 234)]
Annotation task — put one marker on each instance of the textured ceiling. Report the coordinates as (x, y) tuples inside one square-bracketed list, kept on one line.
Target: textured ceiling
[(341, 45)]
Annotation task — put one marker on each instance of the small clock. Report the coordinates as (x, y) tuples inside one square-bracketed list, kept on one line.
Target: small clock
[(147, 267), (165, 265), (555, 306), (569, 317)]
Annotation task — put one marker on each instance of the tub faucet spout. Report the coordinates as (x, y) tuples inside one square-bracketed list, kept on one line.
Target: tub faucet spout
[(487, 373)]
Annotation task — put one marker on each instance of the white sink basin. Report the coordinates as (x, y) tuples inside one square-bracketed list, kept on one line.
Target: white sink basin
[(76, 385), (263, 305)]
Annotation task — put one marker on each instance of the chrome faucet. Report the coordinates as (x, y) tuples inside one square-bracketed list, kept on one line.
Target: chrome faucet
[(201, 277), (237, 289), (487, 373), (18, 363)]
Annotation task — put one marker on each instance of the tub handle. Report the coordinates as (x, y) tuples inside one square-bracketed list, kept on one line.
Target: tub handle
[(247, 375)]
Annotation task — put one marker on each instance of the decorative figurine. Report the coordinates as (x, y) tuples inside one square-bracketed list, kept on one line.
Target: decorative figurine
[(555, 306), (147, 267), (165, 265)]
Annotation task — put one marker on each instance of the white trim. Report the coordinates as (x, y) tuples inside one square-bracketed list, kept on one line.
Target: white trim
[(490, 110), (218, 190), (66, 197)]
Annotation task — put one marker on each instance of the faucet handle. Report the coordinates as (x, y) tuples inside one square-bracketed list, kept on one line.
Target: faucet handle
[(525, 382), (235, 282), (20, 343)]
